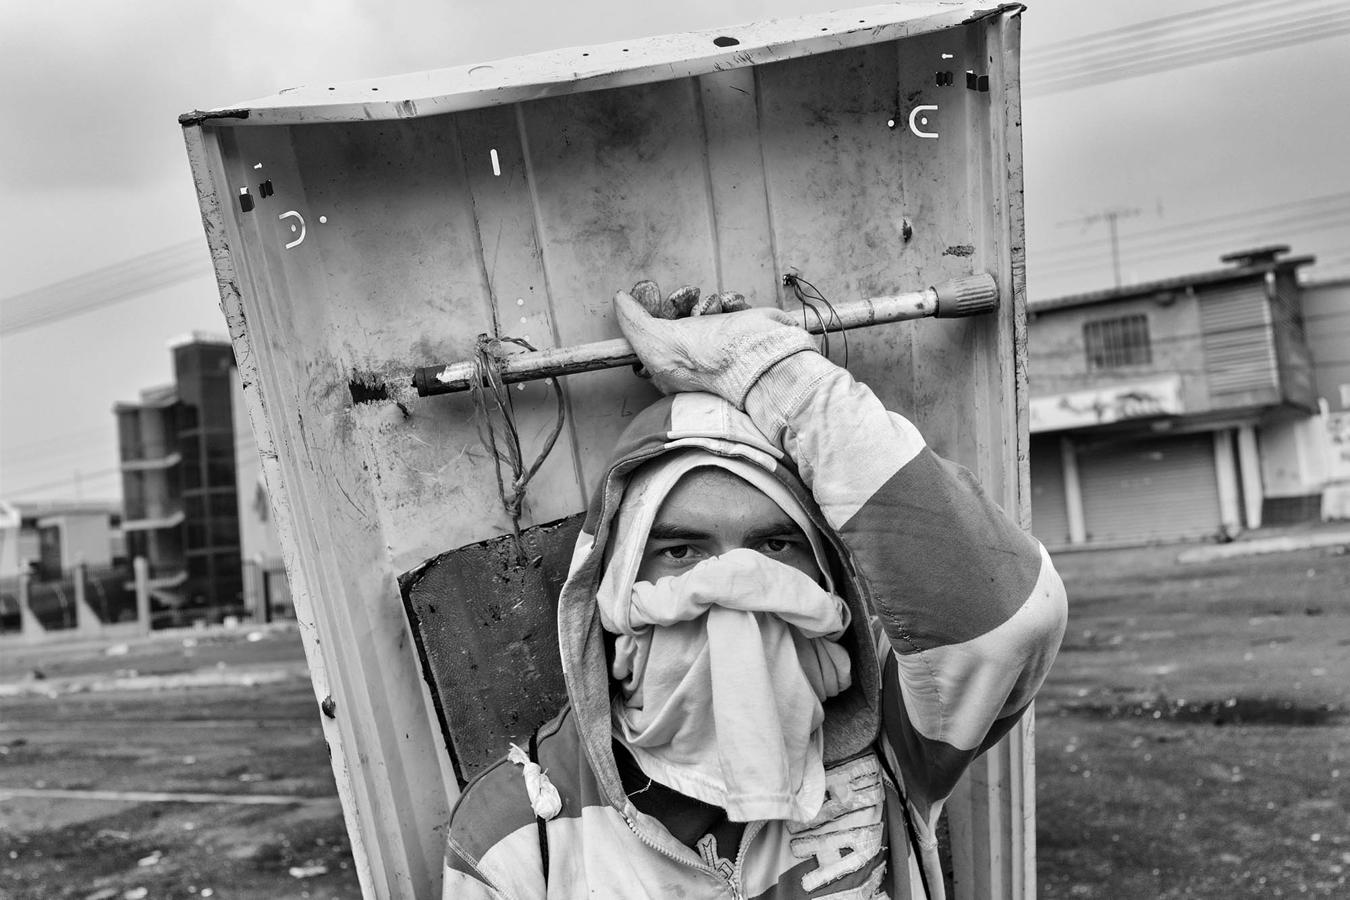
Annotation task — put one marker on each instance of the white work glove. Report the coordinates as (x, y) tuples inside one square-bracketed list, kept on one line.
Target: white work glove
[(723, 354)]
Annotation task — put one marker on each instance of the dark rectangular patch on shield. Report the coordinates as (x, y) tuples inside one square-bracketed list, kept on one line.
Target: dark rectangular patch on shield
[(486, 629)]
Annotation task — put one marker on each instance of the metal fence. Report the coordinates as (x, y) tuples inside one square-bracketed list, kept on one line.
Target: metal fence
[(53, 603), (111, 594), (87, 602), (81, 601), (11, 619)]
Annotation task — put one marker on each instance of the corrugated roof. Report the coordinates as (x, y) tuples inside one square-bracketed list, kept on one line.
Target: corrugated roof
[(1180, 282)]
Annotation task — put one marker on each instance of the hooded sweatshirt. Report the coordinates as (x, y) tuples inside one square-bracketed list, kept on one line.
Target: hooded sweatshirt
[(955, 618)]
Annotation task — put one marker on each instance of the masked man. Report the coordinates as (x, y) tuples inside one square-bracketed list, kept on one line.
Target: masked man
[(788, 629)]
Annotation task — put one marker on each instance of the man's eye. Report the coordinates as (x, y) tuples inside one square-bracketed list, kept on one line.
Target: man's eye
[(679, 551), (777, 545)]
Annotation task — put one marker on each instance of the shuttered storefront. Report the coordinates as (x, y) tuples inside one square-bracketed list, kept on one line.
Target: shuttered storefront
[(1149, 490), (1049, 515)]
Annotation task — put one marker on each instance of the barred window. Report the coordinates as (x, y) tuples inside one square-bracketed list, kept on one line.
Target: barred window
[(1111, 343)]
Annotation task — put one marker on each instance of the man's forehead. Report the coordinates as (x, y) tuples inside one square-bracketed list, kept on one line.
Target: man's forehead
[(717, 493)]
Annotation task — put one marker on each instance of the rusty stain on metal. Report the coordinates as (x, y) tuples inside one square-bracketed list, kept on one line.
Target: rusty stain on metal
[(198, 116)]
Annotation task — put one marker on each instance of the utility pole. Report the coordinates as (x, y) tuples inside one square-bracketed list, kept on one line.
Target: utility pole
[(1110, 216)]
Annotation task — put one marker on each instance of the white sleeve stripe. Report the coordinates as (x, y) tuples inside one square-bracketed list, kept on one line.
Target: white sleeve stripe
[(840, 423), (953, 694)]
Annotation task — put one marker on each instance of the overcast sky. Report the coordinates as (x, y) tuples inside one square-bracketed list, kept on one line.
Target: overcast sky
[(1243, 146)]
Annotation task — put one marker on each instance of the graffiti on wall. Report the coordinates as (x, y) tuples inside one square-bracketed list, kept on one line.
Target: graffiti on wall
[(1338, 446), (1100, 406)]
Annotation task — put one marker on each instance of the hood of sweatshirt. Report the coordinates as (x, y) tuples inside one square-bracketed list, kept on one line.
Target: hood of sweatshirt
[(674, 423)]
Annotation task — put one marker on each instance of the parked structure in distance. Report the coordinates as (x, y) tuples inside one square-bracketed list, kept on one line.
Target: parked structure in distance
[(1190, 407)]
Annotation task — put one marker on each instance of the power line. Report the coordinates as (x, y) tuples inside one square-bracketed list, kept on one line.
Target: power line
[(1159, 36), (1135, 41), (1253, 213), (98, 475), (102, 287), (1190, 236), (1151, 257), (1110, 35), (1258, 41), (37, 458), (1163, 248), (1125, 52), (66, 436), (1112, 218)]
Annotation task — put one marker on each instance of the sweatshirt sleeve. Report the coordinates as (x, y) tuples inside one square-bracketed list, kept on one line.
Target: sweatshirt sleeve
[(462, 882), (971, 607)]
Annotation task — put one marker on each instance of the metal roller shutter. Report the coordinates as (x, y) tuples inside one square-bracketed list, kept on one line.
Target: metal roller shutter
[(1150, 490), (1239, 345), (1049, 516)]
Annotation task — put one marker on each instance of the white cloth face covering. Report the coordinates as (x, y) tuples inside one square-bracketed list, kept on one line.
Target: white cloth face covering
[(724, 668)]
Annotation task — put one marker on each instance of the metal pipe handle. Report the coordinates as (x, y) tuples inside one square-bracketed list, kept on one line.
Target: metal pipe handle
[(969, 296)]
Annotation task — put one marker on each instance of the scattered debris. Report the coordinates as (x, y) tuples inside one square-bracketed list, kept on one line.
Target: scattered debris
[(151, 860), (308, 871), (1231, 711)]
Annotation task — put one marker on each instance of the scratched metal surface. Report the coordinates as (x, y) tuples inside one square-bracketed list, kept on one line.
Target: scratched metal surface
[(382, 246), (486, 633)]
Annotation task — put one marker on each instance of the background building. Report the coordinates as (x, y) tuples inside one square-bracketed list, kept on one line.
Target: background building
[(179, 490), (1185, 408), (46, 538), (45, 542), (1326, 309), (267, 593)]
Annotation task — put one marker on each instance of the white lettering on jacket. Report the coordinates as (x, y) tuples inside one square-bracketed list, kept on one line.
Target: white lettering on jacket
[(847, 833)]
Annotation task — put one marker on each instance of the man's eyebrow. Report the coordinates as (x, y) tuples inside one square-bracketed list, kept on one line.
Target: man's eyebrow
[(785, 526), (671, 532)]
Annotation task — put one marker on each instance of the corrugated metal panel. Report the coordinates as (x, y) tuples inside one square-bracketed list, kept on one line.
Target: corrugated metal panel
[(1049, 515), (1150, 490), (1238, 341)]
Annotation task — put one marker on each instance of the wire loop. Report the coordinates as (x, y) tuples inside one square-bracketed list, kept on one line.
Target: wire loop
[(808, 296), (492, 404)]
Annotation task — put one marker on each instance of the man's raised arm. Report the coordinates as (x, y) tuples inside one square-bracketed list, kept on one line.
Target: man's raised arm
[(969, 602)]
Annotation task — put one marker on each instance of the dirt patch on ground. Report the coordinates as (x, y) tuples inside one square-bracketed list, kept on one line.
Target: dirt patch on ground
[(1193, 738), (250, 741), (1192, 741)]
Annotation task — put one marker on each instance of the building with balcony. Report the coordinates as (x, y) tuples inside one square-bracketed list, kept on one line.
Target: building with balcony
[(1175, 409), (177, 447)]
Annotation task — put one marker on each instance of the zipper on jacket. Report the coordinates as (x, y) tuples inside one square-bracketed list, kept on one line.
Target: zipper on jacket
[(632, 826), (733, 883), (751, 831)]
